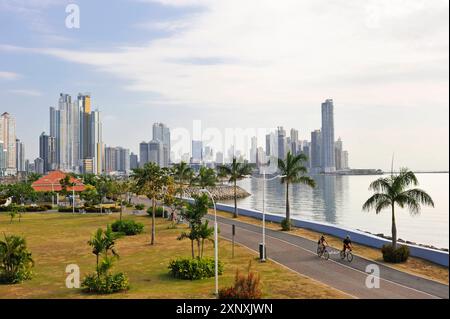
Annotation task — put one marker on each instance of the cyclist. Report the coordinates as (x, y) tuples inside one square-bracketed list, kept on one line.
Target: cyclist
[(322, 242), (347, 244)]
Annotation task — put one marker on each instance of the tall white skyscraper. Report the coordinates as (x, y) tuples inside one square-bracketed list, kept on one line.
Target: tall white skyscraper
[(78, 134), (162, 133), (8, 165), (328, 152)]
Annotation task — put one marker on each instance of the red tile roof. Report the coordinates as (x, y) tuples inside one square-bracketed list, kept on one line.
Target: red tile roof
[(51, 183)]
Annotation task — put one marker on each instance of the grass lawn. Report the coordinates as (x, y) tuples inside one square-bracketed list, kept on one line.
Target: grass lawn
[(413, 265), (59, 239)]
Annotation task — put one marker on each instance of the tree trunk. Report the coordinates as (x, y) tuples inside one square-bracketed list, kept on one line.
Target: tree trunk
[(203, 246), (394, 228), (98, 274), (198, 247), (236, 214), (192, 248), (121, 209), (153, 221), (288, 208)]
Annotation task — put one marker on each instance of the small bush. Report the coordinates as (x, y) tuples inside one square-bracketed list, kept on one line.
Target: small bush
[(245, 287), (286, 224), (107, 284), (127, 227), (194, 269), (139, 206), (16, 261), (63, 209), (392, 255), (159, 211), (40, 208)]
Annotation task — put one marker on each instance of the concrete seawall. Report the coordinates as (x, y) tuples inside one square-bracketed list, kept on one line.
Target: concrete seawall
[(435, 256)]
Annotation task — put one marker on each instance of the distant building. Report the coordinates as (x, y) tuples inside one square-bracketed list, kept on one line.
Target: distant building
[(281, 143), (219, 158), (197, 152), (39, 166), (8, 141), (328, 153), (316, 151), (47, 151), (117, 160), (134, 161), (162, 133), (253, 149), (20, 156)]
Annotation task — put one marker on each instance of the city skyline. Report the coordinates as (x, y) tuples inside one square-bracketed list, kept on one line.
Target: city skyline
[(168, 67)]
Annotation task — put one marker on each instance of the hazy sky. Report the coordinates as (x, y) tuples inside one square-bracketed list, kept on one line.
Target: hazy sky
[(238, 63)]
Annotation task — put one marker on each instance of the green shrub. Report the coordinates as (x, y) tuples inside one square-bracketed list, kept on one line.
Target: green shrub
[(15, 260), (392, 255), (107, 284), (194, 269), (127, 227), (63, 209), (159, 211), (139, 206), (39, 208), (286, 224), (245, 287)]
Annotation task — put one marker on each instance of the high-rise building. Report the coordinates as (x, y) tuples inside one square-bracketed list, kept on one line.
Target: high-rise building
[(219, 158), (77, 133), (338, 155), (294, 142), (20, 156), (47, 151), (156, 153), (315, 151), (281, 143), (143, 154), (39, 166), (134, 161), (8, 139), (162, 133), (253, 149), (197, 152), (345, 164), (328, 154)]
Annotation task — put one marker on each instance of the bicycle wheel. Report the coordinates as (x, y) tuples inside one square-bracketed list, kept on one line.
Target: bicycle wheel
[(319, 252), (342, 254), (349, 257), (326, 255)]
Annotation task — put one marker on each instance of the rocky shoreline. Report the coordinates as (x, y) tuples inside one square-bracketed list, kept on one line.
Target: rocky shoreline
[(220, 192), (405, 241)]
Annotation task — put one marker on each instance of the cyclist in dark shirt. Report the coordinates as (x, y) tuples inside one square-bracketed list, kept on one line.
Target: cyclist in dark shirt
[(347, 244), (322, 242)]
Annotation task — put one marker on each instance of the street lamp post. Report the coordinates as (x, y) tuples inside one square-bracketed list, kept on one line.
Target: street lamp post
[(216, 242), (263, 259)]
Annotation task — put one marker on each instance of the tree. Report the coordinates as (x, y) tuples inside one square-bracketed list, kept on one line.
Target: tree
[(183, 173), (32, 177), (235, 171), (394, 190), (102, 242), (15, 260), (150, 181), (205, 233), (206, 177), (293, 172), (194, 213)]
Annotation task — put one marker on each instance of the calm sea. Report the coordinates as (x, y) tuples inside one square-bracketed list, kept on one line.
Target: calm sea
[(338, 200)]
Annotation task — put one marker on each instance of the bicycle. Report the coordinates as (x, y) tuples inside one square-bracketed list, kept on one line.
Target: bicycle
[(323, 252), (346, 255)]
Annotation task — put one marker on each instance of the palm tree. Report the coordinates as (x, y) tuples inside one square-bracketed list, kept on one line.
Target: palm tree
[(194, 213), (102, 242), (206, 177), (15, 260), (235, 171), (182, 173), (394, 190), (293, 172), (150, 181), (205, 233)]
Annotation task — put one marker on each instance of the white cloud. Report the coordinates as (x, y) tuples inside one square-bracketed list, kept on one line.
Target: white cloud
[(5, 75), (263, 53), (26, 92)]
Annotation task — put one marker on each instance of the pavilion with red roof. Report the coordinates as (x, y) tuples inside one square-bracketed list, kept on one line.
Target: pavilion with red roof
[(51, 183)]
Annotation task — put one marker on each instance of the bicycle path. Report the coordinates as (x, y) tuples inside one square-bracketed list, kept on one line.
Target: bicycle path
[(299, 255)]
